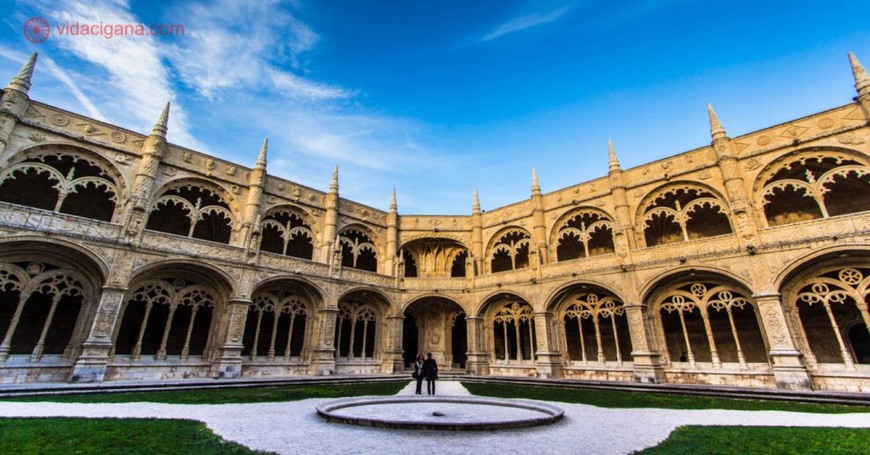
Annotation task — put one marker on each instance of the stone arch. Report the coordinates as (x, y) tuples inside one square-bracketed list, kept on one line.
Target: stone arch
[(590, 324), (358, 247), (280, 321), (650, 286), (65, 178), (582, 232), (508, 330), (48, 298), (825, 297), (194, 208), (708, 318), (682, 211), (434, 256), (361, 329), (435, 323), (509, 249), (288, 230), (171, 309), (813, 183)]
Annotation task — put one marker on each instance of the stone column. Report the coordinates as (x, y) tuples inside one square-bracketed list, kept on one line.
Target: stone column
[(788, 370), (478, 359), (394, 361), (549, 359), (228, 362), (647, 360), (92, 363), (323, 355)]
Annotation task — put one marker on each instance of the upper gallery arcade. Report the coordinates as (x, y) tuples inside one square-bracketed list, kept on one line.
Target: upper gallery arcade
[(742, 262)]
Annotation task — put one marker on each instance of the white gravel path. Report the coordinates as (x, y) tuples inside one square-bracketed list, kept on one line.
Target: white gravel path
[(294, 427)]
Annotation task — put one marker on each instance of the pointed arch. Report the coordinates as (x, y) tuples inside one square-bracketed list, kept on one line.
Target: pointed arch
[(65, 179), (582, 232), (813, 183), (682, 211), (509, 249), (193, 208)]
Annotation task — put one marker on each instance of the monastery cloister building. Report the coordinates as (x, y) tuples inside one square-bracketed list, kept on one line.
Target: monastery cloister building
[(743, 263)]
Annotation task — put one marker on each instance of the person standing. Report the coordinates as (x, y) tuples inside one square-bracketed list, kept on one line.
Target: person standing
[(430, 372), (418, 373)]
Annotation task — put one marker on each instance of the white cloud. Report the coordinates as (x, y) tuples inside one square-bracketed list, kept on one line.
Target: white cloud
[(138, 84), (231, 43), (525, 22), (61, 75)]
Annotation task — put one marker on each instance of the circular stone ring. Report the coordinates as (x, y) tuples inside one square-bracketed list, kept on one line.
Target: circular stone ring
[(453, 413)]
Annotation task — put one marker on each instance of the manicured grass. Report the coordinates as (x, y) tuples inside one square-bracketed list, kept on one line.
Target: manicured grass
[(239, 395), (770, 440), (102, 436), (617, 399)]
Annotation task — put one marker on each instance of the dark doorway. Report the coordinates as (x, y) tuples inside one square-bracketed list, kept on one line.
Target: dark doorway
[(860, 340), (410, 339), (459, 341)]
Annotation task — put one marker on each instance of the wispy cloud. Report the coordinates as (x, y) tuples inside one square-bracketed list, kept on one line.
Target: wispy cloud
[(222, 53), (525, 22), (137, 83), (58, 73)]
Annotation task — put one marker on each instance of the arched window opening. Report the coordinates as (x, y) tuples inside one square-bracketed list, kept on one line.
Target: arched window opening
[(39, 306), (595, 328), (435, 257), (356, 331), (166, 318), (62, 183), (584, 235), (287, 233), (813, 187), (275, 327), (684, 213), (358, 251), (192, 211), (828, 304), (410, 264), (460, 262), (514, 332), (511, 252), (703, 321)]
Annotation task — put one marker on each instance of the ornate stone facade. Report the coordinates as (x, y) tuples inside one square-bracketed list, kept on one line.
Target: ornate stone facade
[(745, 262)]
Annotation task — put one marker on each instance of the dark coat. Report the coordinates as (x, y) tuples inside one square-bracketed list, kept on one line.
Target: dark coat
[(430, 369)]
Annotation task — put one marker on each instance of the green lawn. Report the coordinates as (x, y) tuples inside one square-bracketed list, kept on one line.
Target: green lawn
[(768, 440), (240, 395), (617, 399), (102, 436)]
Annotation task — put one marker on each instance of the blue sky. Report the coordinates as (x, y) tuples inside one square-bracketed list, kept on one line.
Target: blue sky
[(436, 98)]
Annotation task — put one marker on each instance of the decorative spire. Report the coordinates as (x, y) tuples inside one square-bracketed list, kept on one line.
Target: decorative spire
[(21, 81), (862, 81), (612, 163), (160, 127), (716, 129), (333, 187), (393, 205), (475, 206), (536, 187), (261, 159)]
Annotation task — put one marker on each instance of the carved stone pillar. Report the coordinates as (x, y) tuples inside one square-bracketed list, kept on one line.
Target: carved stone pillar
[(478, 359), (323, 355), (228, 362), (788, 370), (394, 361), (91, 364), (647, 360), (549, 359)]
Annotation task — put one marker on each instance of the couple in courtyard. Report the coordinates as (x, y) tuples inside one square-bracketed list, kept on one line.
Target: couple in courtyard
[(425, 369)]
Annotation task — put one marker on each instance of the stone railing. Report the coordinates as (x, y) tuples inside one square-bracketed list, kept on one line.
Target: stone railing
[(33, 219)]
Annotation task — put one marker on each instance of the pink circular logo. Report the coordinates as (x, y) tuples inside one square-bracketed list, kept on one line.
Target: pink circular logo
[(36, 30)]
